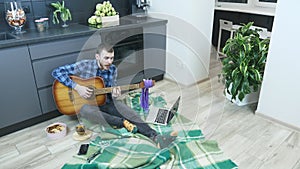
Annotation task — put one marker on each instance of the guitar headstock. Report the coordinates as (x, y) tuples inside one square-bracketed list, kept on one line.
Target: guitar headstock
[(147, 83)]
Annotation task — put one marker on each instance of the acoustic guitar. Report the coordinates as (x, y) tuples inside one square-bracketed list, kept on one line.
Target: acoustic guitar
[(69, 102)]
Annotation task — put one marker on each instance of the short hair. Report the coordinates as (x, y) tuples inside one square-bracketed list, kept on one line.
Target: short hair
[(103, 46)]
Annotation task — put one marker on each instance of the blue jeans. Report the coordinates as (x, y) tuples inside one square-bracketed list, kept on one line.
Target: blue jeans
[(113, 114)]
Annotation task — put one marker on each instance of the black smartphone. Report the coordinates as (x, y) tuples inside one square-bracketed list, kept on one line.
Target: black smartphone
[(83, 149)]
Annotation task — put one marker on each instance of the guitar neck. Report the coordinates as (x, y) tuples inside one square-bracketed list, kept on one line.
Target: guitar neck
[(109, 89)]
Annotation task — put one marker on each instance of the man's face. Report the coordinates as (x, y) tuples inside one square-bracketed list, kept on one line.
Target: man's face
[(105, 59)]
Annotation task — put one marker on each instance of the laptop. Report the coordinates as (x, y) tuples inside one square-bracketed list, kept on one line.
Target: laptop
[(162, 116)]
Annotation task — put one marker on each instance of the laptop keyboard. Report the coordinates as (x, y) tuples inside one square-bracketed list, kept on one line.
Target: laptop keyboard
[(161, 116)]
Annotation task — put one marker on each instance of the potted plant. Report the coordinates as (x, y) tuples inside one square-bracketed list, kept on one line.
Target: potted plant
[(243, 67), (64, 12)]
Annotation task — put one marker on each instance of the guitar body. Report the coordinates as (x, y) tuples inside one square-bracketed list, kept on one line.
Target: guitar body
[(69, 102)]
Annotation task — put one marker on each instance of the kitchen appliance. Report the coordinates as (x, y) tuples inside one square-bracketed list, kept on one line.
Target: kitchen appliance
[(129, 54)]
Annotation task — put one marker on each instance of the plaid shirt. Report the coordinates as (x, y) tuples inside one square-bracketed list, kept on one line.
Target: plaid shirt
[(85, 69)]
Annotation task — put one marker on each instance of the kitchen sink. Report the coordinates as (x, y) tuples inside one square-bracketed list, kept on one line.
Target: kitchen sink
[(7, 36)]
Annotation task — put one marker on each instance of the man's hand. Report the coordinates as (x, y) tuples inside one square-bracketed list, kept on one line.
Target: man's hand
[(116, 92), (83, 91)]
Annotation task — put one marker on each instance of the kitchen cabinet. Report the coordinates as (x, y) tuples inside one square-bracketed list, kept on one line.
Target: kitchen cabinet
[(26, 94), (19, 97), (238, 18), (45, 58), (128, 53)]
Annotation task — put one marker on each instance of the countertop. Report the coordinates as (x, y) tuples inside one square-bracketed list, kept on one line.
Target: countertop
[(32, 36)]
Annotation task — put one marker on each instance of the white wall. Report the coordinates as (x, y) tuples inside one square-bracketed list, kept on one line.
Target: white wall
[(280, 94), (189, 32)]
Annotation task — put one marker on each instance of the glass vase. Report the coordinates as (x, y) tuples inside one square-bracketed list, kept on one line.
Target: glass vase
[(15, 16), (64, 19)]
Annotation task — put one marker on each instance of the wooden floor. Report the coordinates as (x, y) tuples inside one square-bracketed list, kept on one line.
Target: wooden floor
[(249, 140)]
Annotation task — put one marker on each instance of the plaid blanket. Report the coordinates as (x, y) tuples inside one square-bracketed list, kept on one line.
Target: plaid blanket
[(119, 149)]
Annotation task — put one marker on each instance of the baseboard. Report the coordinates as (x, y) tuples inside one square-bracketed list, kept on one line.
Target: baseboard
[(27, 123), (274, 120)]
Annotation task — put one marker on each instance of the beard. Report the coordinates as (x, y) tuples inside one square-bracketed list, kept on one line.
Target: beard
[(103, 66)]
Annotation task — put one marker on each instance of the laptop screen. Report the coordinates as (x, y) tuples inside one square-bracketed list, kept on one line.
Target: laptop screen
[(174, 109)]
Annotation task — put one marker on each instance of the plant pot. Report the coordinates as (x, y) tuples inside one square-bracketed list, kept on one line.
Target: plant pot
[(64, 25), (249, 98), (108, 21)]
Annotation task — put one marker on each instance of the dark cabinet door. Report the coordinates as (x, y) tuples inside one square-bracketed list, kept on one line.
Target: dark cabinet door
[(19, 99), (235, 18), (262, 21)]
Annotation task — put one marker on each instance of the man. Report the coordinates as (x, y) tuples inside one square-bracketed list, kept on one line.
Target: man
[(113, 112)]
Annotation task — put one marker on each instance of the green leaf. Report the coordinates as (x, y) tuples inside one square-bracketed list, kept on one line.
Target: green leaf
[(245, 71), (234, 73), (241, 96), (69, 14), (55, 5), (235, 86)]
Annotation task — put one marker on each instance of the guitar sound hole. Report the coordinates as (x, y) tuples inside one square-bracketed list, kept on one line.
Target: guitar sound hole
[(93, 93)]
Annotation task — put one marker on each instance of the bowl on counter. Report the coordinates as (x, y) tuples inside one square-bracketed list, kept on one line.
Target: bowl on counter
[(56, 130)]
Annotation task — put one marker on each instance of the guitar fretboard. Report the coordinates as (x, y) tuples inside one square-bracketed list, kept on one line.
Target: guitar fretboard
[(109, 89)]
